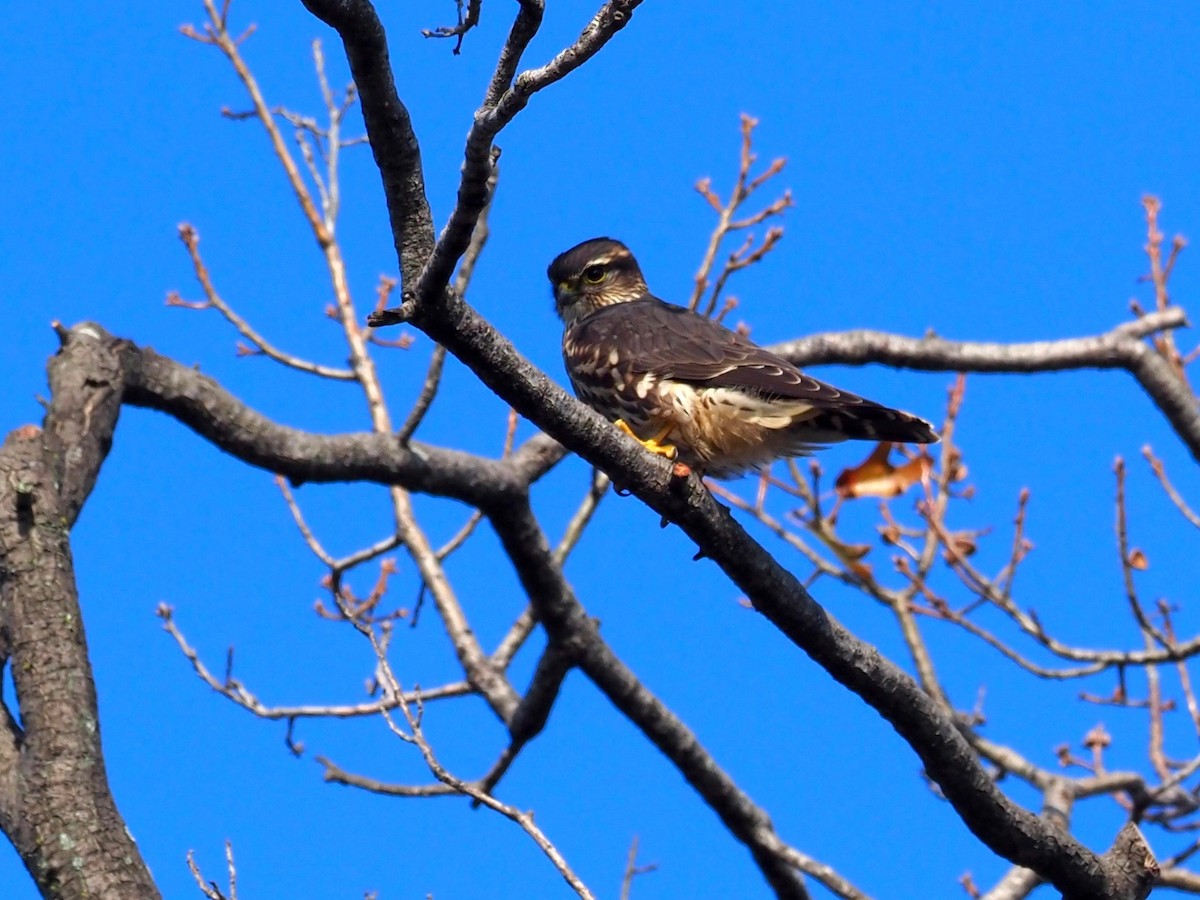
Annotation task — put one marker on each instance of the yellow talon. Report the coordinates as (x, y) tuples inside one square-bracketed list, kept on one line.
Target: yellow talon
[(654, 444)]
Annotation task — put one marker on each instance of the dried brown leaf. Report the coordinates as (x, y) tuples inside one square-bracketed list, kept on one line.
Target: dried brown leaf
[(875, 476)]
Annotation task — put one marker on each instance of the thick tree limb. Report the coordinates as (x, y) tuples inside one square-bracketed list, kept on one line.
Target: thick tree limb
[(153, 381), (86, 380), (156, 382), (55, 803)]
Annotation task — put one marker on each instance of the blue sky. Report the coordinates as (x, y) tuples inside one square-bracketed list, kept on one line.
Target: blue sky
[(975, 171)]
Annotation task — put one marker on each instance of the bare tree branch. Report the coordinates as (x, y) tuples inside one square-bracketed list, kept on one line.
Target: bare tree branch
[(156, 382), (1120, 348)]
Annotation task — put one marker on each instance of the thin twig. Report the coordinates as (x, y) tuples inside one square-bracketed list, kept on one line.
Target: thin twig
[(747, 254), (1128, 562), (1160, 472), (632, 869), (416, 735), (235, 691), (259, 344)]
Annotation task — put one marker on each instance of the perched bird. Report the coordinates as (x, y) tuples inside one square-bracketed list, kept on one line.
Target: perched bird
[(687, 387)]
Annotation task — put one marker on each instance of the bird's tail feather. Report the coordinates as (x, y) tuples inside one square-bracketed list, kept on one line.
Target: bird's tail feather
[(871, 423)]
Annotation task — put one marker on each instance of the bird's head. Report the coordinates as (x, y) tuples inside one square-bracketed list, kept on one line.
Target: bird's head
[(596, 273)]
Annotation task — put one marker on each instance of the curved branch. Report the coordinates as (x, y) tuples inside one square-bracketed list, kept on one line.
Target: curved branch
[(199, 402), (935, 354), (1121, 348), (529, 19)]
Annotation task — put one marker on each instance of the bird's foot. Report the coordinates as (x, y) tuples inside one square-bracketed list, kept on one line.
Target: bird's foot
[(655, 444)]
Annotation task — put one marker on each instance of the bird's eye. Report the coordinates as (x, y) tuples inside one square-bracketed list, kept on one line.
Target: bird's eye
[(593, 274)]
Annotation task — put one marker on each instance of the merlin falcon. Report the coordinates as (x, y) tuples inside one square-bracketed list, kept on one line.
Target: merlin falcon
[(688, 388)]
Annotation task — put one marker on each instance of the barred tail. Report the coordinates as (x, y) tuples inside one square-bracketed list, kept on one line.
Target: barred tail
[(871, 422)]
